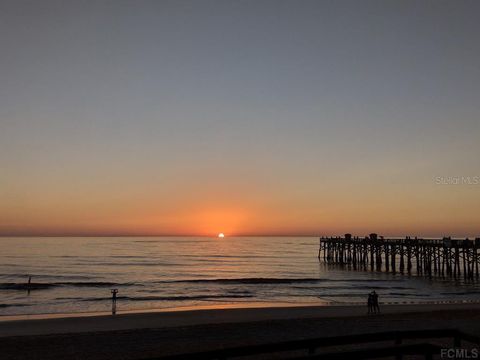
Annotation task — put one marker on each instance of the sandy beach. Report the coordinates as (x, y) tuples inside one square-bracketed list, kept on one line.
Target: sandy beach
[(143, 335)]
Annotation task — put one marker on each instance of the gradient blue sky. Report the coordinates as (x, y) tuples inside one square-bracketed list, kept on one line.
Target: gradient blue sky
[(248, 117)]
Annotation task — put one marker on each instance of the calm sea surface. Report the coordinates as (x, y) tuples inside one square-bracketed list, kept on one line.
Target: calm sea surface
[(76, 275)]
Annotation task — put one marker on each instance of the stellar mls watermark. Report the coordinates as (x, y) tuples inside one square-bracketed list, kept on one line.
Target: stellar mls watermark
[(457, 180), (455, 353)]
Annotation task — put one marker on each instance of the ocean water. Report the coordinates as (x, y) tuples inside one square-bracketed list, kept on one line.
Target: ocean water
[(77, 274)]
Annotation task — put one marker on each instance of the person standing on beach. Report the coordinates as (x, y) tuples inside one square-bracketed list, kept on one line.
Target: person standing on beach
[(114, 301), (370, 303), (376, 307), (29, 284)]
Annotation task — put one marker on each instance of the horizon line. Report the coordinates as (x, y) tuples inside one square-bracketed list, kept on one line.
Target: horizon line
[(227, 235)]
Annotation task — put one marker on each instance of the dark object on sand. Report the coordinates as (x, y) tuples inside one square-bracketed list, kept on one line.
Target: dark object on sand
[(370, 303), (376, 307)]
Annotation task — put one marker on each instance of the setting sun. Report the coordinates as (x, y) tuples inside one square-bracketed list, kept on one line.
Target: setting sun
[(221, 235)]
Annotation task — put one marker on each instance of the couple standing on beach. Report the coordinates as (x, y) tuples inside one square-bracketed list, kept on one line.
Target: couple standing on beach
[(372, 303)]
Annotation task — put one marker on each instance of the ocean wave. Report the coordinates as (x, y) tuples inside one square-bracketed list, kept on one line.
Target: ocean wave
[(2, 306), (364, 283), (159, 298), (248, 281), (206, 257), (43, 286), (408, 294), (339, 295), (92, 284), (46, 276), (25, 286), (254, 281), (362, 295), (461, 293), (130, 263)]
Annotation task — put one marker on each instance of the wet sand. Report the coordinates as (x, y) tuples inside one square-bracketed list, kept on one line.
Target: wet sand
[(136, 336)]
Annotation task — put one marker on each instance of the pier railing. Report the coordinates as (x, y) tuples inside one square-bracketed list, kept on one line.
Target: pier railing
[(311, 346), (431, 257)]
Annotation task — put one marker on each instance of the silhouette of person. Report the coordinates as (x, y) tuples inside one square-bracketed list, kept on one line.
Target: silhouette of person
[(370, 303), (376, 307), (114, 301), (29, 284)]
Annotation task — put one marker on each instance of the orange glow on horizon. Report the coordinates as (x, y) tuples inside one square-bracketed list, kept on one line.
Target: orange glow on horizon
[(314, 215)]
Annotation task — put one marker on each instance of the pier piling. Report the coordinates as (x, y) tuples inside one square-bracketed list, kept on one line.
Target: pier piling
[(445, 257)]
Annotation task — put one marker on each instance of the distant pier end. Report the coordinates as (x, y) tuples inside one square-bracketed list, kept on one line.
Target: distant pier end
[(445, 257)]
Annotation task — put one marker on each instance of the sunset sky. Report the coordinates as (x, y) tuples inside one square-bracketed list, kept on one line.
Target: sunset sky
[(247, 117)]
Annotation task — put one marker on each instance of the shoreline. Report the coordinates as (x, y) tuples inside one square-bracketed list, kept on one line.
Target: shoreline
[(190, 316), (174, 309), (226, 306)]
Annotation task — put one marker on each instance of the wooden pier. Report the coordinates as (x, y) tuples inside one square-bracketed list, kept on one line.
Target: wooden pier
[(427, 257)]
